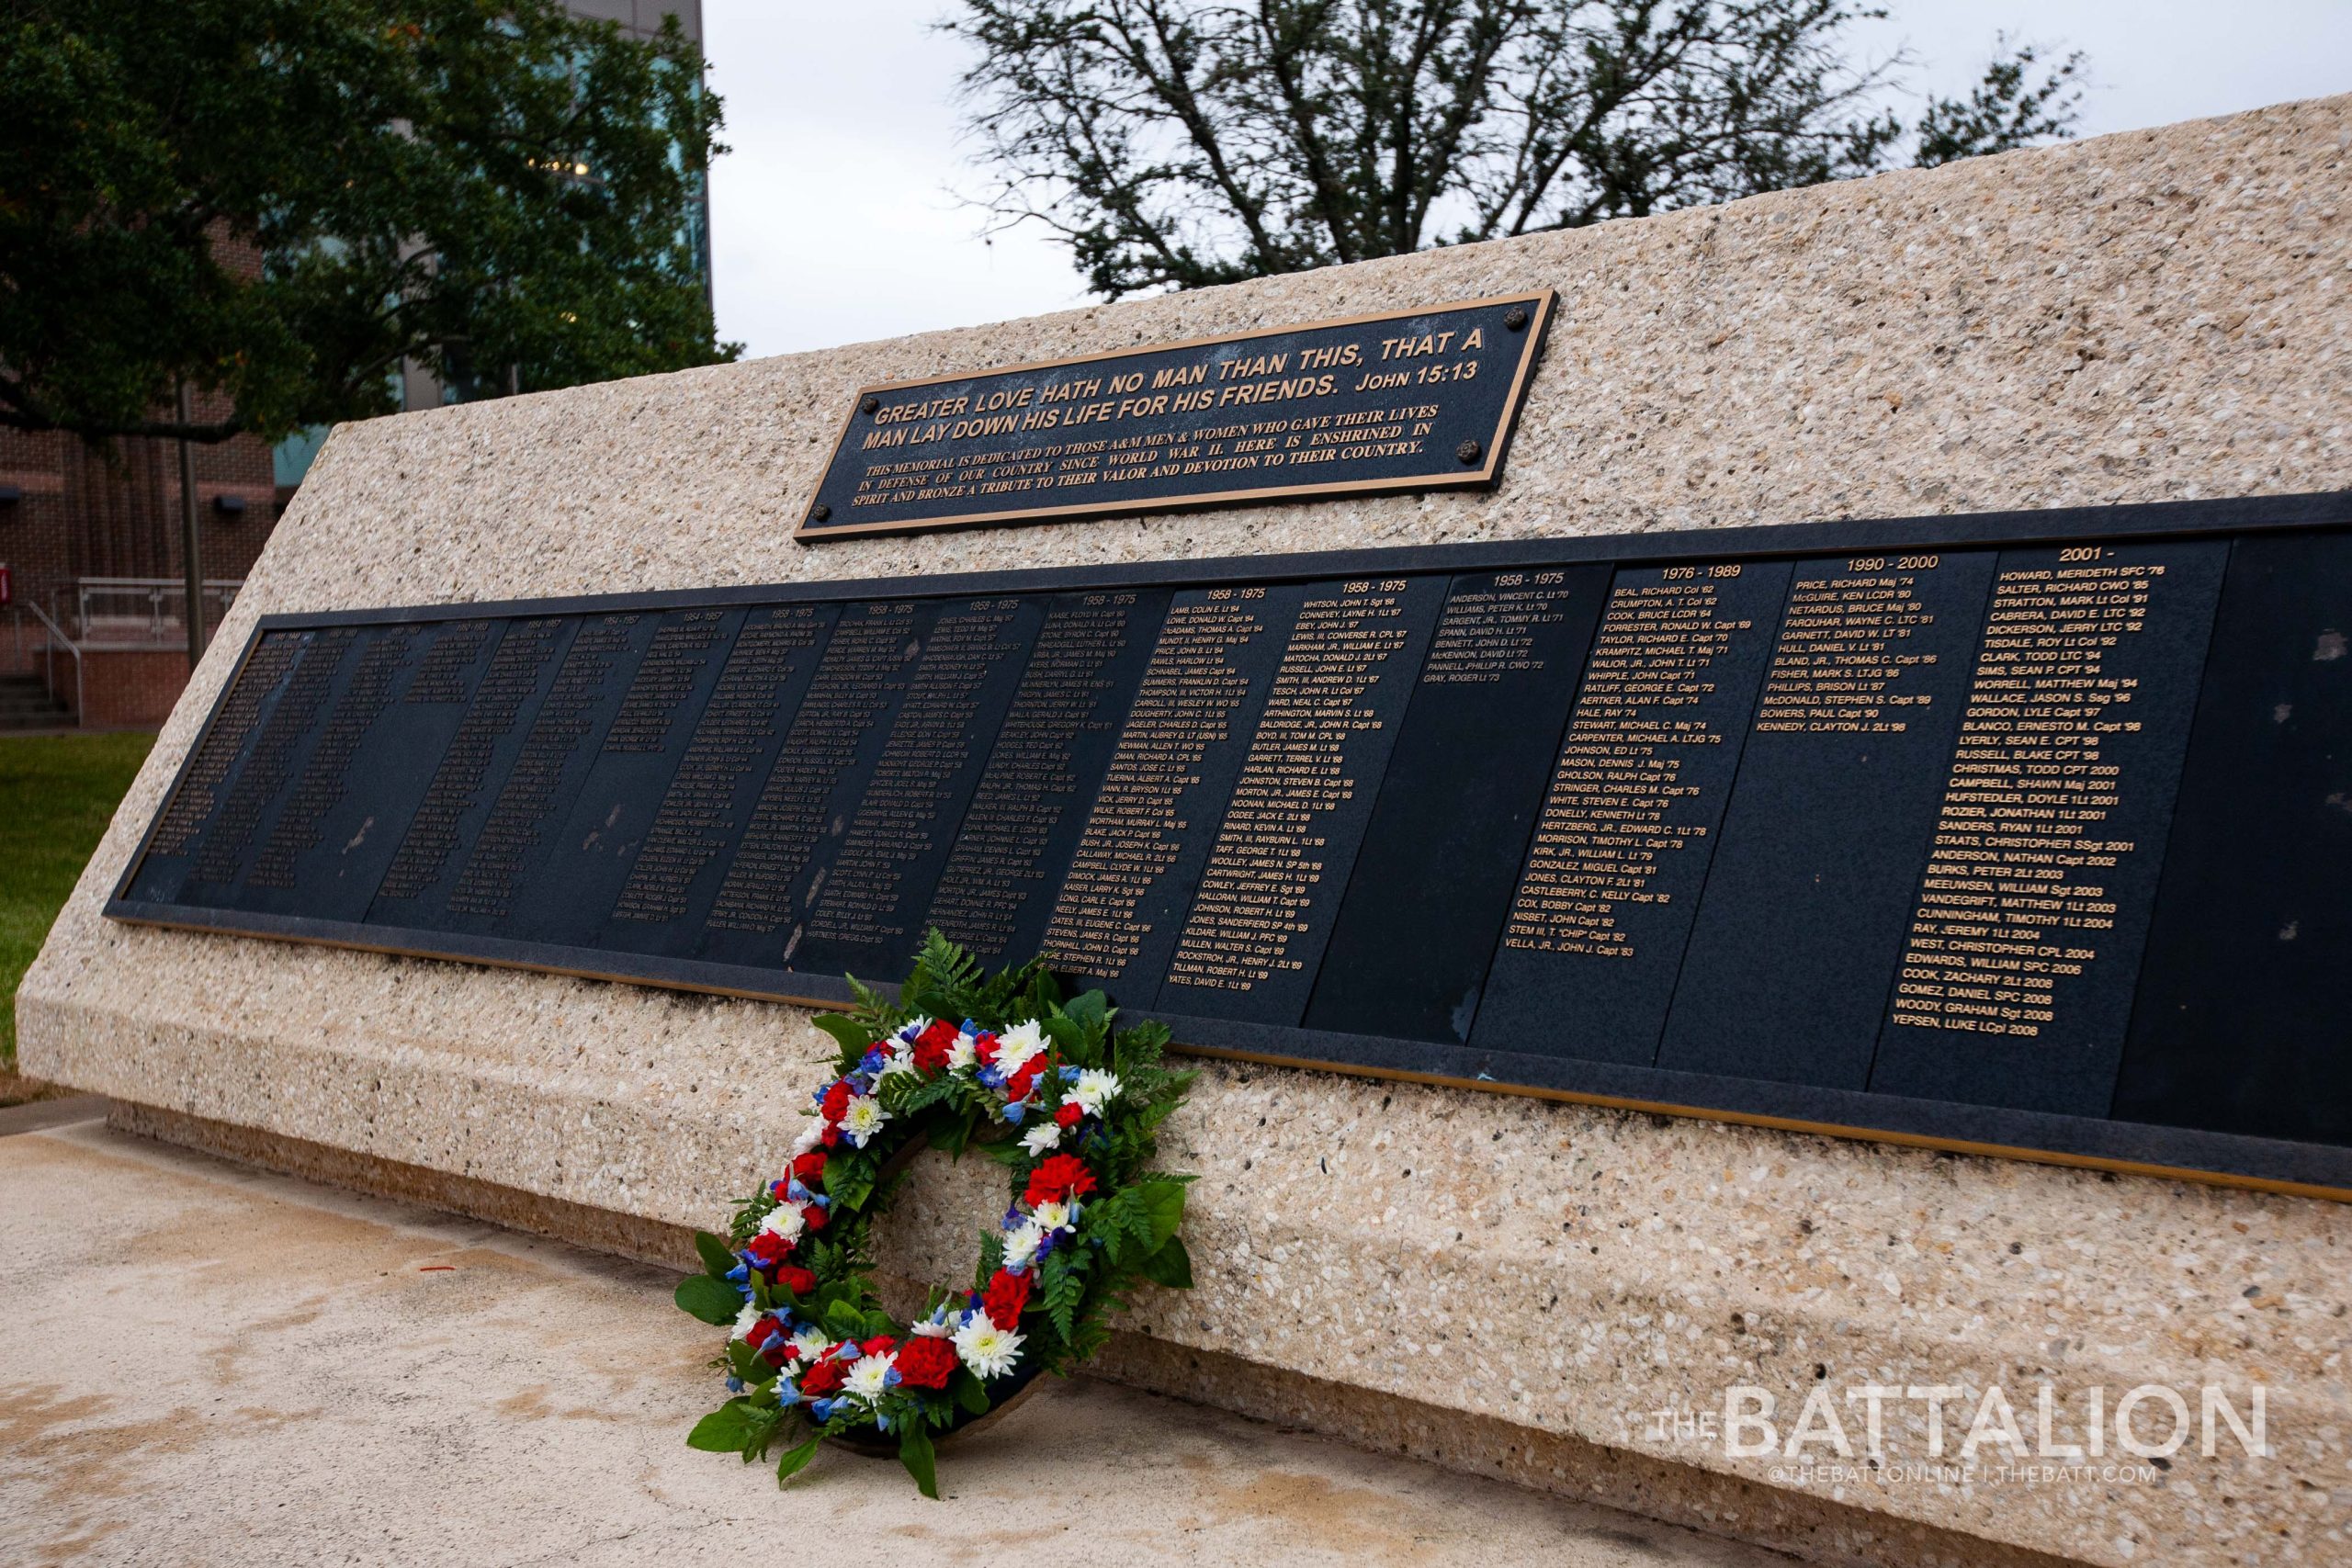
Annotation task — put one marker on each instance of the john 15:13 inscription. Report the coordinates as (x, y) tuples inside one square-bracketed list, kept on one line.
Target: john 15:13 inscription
[(1411, 399), (2024, 832)]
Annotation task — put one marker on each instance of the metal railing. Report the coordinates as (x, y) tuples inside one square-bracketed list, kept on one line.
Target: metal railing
[(143, 612), (52, 638)]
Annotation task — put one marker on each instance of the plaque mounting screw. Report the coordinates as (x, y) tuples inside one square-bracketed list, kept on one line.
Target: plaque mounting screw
[(869, 405), (1469, 451), (1515, 319), (820, 512)]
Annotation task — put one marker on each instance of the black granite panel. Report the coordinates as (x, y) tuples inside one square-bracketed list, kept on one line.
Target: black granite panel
[(1116, 919), (1433, 884), (1809, 898), (1252, 941), (2239, 1025), (1603, 909), (2026, 829), (867, 917), (1021, 829), (629, 764), (2016, 982), (802, 817), (677, 850)]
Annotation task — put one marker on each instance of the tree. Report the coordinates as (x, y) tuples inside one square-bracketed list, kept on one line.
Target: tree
[(281, 201), (1176, 143)]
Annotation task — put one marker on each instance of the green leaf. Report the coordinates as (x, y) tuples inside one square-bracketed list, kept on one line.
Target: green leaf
[(1163, 1202), (797, 1459), (713, 1300), (845, 1321), (745, 1363), (915, 1453), (1090, 1009), (718, 1257), (968, 1391), (854, 1034), (729, 1429), (1170, 1266)]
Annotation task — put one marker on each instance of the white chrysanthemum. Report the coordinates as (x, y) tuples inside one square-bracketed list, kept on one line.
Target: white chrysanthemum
[(902, 1060), (869, 1376), (1016, 1046), (1020, 1245), (1050, 1216), (938, 1326), (810, 1343), (1095, 1088), (913, 1026), (989, 1350), (1045, 1135), (862, 1118), (785, 1221), (965, 1053), (811, 1134), (752, 1312)]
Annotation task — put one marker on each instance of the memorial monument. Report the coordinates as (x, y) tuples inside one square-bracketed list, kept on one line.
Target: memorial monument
[(1794, 756)]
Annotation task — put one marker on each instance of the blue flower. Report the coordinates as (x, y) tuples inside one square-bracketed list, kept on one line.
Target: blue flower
[(823, 1409), (989, 1077), (734, 1384), (890, 1378), (742, 1272), (881, 1420), (1069, 1075), (1015, 1111), (872, 1061)]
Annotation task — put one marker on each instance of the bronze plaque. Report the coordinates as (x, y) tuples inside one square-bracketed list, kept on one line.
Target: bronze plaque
[(1411, 399)]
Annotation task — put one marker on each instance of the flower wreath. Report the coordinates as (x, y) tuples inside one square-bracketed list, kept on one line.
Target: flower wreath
[(1002, 1065)]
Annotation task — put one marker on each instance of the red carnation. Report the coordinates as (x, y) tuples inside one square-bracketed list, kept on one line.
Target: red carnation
[(833, 1134), (1058, 1176), (795, 1279), (984, 1046), (780, 1189), (814, 1216), (934, 1043), (836, 1101), (809, 1168), (1017, 1087), (1007, 1294), (824, 1378), (1070, 1113), (761, 1330), (878, 1345), (767, 1248), (926, 1362)]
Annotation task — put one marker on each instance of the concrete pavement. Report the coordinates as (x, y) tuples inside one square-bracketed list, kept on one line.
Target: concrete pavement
[(204, 1364)]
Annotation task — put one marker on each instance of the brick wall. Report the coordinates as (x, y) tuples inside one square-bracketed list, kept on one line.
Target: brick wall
[(115, 511)]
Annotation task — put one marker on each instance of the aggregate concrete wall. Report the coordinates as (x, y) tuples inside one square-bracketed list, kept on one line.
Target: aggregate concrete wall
[(1507, 1283)]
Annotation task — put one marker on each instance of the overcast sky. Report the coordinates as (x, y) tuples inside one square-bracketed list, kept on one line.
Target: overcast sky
[(834, 220)]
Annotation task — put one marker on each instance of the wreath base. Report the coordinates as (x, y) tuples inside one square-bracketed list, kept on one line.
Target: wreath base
[(872, 1442)]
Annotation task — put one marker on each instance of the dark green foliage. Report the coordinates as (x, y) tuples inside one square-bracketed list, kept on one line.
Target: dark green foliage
[(1180, 143), (279, 201)]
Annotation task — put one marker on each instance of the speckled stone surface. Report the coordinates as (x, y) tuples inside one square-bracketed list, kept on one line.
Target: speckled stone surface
[(2152, 316)]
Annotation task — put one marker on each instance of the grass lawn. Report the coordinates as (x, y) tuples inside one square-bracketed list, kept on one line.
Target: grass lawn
[(57, 792)]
